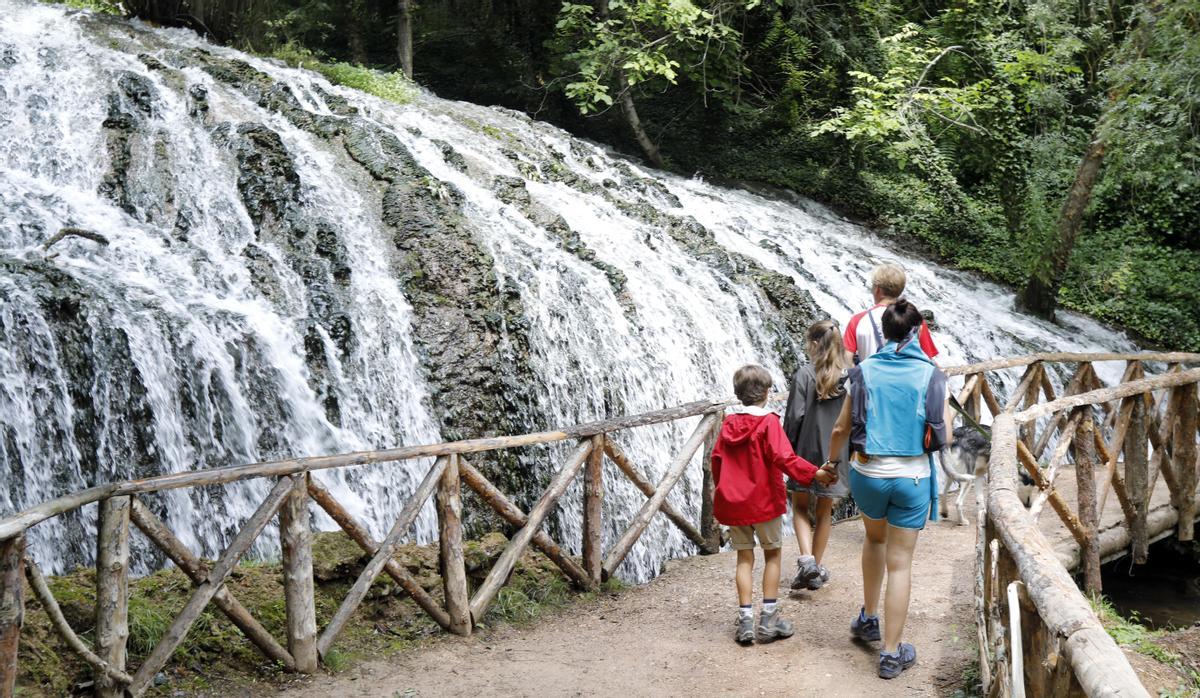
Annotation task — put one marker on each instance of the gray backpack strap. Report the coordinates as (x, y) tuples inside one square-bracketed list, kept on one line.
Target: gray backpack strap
[(875, 328)]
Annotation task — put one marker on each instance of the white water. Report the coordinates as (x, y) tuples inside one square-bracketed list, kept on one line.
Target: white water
[(223, 365)]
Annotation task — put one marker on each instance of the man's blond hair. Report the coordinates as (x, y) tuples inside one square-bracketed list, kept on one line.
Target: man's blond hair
[(889, 279)]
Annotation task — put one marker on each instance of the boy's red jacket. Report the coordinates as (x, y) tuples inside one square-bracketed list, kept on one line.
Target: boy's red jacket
[(748, 463)]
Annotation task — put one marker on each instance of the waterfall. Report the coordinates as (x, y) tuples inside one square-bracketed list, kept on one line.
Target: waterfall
[(295, 268)]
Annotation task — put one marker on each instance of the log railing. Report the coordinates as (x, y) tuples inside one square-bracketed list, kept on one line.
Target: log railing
[(296, 487), (1037, 632)]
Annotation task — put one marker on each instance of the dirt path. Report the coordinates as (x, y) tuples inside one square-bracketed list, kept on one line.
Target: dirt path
[(674, 637)]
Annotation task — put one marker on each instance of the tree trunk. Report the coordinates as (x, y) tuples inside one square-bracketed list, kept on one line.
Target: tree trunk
[(404, 45), (357, 12), (629, 111), (1040, 295)]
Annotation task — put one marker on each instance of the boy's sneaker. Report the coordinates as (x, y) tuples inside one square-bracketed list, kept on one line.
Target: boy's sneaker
[(745, 630), (820, 580), (892, 665), (865, 627), (772, 627), (806, 570)]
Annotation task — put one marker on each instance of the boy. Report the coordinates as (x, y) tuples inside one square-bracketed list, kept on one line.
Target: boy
[(863, 335), (748, 463)]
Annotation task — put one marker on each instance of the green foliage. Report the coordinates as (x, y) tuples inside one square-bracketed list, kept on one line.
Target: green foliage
[(391, 86), (642, 41), (108, 7), (1129, 632)]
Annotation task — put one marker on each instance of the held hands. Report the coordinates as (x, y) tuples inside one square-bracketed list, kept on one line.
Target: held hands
[(827, 475)]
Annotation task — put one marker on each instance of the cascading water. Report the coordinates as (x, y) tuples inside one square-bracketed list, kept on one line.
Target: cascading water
[(294, 268)]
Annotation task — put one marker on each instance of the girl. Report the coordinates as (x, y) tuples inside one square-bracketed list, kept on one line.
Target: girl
[(894, 419), (814, 403)]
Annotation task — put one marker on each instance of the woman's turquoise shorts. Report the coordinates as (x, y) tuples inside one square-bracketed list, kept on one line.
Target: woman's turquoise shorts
[(903, 501)]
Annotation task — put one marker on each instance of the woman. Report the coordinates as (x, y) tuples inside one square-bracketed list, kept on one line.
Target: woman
[(894, 419), (814, 403)]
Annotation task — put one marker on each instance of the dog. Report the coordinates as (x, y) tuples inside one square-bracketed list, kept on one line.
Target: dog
[(965, 463)]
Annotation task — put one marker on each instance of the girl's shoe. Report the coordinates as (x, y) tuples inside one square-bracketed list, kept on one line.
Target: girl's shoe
[(772, 627), (806, 570), (892, 665), (820, 580), (865, 627), (745, 630)]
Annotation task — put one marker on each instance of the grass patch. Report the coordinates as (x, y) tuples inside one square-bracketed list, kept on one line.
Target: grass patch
[(391, 86), (1129, 632), (215, 655), (101, 6)]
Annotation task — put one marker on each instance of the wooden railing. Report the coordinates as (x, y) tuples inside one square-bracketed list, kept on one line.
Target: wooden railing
[(1037, 632), (295, 488), (1061, 612)]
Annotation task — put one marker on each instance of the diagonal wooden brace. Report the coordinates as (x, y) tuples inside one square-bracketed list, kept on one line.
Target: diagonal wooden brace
[(385, 552), (617, 455), (512, 552), (359, 534), (205, 592), (512, 514), (160, 535)]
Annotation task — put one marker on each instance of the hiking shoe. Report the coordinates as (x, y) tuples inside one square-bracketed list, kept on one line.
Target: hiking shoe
[(806, 570), (865, 627), (745, 630), (772, 627), (892, 665), (820, 580)]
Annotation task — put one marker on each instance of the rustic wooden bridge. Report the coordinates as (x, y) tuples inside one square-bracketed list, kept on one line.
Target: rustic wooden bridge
[(1036, 629)]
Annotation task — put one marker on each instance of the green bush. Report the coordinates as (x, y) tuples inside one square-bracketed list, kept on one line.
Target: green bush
[(391, 86)]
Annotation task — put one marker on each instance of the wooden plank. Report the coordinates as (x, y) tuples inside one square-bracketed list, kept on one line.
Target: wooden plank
[(516, 545), (710, 531), (1031, 380), (37, 582), (12, 609), (1118, 482), (359, 534), (204, 593), (1184, 458), (1089, 517), (1059, 455), (1169, 380), (593, 508), (1060, 506), (513, 514), (1137, 479), (450, 542), (1099, 664), (642, 519), (194, 568), (968, 388), (621, 460), (386, 550), (1075, 385), (989, 398), (19, 522), (1067, 357), (112, 591), (295, 540), (1114, 454)]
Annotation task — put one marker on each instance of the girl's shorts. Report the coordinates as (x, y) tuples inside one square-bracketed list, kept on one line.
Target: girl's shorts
[(903, 501)]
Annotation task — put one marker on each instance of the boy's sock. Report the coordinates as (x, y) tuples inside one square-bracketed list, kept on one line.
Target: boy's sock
[(746, 611), (769, 606)]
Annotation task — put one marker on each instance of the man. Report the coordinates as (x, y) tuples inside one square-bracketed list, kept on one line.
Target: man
[(863, 335)]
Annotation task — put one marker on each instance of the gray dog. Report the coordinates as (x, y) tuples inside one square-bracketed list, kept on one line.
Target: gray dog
[(965, 464)]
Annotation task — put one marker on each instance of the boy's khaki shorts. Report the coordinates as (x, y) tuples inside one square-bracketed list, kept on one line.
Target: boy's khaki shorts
[(769, 533)]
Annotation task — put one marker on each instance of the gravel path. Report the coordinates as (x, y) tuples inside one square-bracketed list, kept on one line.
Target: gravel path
[(673, 637)]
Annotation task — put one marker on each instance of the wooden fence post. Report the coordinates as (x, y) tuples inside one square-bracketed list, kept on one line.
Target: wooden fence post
[(112, 591), (1185, 461), (593, 506), (709, 528), (453, 566), (12, 609), (1137, 477), (1085, 479), (295, 540)]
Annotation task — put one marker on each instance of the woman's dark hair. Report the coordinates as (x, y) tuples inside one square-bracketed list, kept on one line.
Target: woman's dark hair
[(899, 319)]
